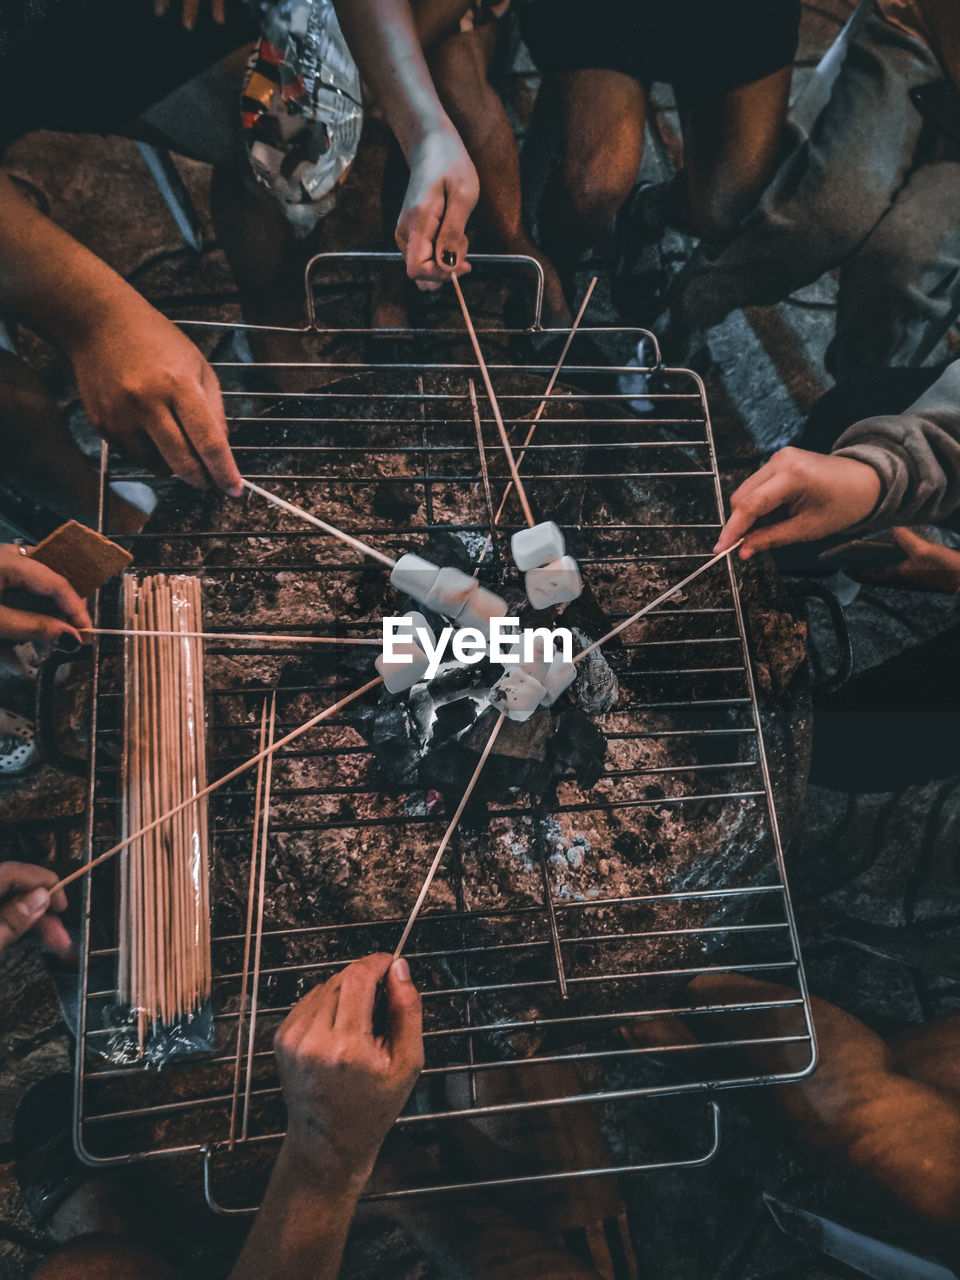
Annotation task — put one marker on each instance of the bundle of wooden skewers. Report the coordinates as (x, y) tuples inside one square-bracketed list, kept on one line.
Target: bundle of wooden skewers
[(164, 926)]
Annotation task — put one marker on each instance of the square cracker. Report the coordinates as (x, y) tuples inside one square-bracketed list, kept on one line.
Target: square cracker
[(85, 558)]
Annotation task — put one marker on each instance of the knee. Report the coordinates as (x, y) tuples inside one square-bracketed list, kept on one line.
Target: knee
[(597, 189)]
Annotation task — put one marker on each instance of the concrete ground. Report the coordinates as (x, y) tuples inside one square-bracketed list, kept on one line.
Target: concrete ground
[(766, 372)]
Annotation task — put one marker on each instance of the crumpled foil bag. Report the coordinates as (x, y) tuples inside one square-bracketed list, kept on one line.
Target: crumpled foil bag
[(302, 107)]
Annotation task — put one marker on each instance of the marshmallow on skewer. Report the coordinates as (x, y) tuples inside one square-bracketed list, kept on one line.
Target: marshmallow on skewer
[(410, 663), (538, 666), (538, 545), (558, 582), (414, 576), (517, 695), (450, 592), (481, 607), (557, 679)]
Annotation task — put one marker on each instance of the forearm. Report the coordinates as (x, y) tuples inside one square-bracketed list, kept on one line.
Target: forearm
[(916, 455), (383, 39), (48, 280), (301, 1229)]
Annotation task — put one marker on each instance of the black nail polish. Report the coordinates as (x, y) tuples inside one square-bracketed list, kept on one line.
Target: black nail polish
[(448, 258), (67, 643)]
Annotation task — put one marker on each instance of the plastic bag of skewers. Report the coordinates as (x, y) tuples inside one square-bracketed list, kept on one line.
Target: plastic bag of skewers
[(163, 962)]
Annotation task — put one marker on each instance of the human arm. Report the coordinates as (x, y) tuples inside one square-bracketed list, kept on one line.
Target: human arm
[(343, 1087), (443, 186), (895, 469), (143, 384), (26, 903)]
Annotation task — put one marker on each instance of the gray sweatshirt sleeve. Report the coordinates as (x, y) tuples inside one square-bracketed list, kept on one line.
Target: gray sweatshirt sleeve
[(916, 454)]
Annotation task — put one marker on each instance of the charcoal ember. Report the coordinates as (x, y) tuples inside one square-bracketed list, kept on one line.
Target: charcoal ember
[(452, 678), (395, 502), (580, 745), (453, 716), (529, 740), (596, 687)]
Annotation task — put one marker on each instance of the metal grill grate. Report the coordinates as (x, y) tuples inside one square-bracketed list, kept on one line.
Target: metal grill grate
[(511, 985)]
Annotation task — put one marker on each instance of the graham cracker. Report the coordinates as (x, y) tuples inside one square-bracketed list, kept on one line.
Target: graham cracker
[(85, 558)]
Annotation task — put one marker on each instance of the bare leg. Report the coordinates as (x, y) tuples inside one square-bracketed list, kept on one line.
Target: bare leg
[(103, 1257), (266, 258), (41, 457), (459, 66), (603, 120), (730, 150), (894, 1131)]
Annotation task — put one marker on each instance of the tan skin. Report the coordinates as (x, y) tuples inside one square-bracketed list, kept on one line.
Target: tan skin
[(730, 145), (928, 566), (803, 496), (145, 386), (25, 900), (22, 573), (343, 1086), (26, 903), (443, 188), (459, 62)]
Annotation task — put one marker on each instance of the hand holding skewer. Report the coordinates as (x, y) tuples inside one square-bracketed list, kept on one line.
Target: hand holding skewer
[(29, 899), (343, 1084)]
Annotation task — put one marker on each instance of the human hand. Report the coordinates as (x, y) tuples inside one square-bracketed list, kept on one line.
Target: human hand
[(21, 572), (25, 903), (929, 566), (344, 1086), (441, 194), (816, 495), (218, 9), (147, 388)]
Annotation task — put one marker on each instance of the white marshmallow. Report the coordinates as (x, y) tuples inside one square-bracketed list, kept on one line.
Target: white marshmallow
[(558, 678), (558, 582), (536, 546), (538, 666), (414, 576), (450, 592), (517, 695), (481, 606), (416, 624), (398, 674)]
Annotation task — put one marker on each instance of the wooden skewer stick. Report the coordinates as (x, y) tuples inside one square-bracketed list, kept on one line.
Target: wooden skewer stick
[(548, 393), (251, 893), (215, 786), (447, 836), (485, 476), (232, 635), (664, 595), (294, 510), (533, 425), (492, 397), (261, 896)]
